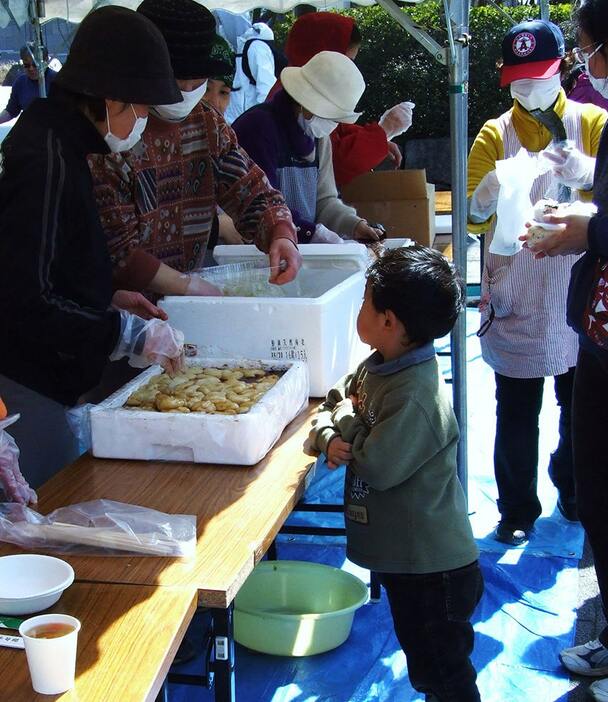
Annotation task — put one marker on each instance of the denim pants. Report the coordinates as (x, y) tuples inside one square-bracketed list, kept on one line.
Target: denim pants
[(590, 433), (518, 405), (432, 613)]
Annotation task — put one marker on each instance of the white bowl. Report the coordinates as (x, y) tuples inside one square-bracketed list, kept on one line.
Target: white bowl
[(31, 583)]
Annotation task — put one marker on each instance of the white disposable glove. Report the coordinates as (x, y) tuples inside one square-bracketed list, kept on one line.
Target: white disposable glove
[(397, 119), (147, 342), (483, 201), (195, 285), (570, 166), (12, 481), (323, 235)]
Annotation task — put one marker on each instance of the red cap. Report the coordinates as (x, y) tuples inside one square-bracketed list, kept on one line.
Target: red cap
[(536, 69)]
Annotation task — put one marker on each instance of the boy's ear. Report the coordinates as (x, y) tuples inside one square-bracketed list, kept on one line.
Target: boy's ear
[(390, 319)]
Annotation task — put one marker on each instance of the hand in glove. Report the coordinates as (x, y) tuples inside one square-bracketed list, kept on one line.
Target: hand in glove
[(397, 120), (482, 204), (12, 481), (147, 342), (323, 235), (570, 166), (136, 303), (195, 285), (363, 232)]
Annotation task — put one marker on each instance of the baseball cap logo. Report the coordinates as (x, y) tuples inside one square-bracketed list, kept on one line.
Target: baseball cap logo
[(524, 44)]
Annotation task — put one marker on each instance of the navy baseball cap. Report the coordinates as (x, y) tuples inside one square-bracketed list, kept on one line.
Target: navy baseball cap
[(531, 49)]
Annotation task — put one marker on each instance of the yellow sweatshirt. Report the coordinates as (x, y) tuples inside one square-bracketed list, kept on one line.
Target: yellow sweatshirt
[(488, 147)]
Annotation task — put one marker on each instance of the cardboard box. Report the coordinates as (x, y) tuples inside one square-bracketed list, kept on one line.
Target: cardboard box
[(402, 201)]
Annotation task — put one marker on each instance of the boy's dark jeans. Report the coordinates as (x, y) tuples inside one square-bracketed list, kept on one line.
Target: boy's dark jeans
[(432, 615), (518, 405)]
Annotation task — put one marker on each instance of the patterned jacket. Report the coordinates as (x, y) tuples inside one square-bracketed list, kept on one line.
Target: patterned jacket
[(157, 202)]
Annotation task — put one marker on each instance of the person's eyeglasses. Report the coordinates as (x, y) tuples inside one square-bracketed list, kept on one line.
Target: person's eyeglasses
[(581, 56)]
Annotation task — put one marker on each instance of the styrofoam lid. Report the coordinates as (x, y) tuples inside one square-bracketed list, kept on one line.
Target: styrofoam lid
[(350, 252)]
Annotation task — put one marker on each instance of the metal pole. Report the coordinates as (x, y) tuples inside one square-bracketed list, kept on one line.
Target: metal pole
[(458, 67), (544, 9), (36, 12)]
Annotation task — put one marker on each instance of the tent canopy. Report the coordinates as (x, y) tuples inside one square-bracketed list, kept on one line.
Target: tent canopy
[(75, 10)]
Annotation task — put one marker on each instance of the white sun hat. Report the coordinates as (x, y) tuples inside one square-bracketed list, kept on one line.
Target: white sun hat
[(329, 86)]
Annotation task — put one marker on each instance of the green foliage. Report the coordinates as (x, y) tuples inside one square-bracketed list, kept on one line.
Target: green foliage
[(397, 68)]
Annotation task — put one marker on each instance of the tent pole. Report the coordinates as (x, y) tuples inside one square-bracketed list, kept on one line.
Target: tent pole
[(36, 12), (456, 57), (458, 68)]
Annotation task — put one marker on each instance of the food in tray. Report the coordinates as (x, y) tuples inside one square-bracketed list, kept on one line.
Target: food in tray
[(209, 390)]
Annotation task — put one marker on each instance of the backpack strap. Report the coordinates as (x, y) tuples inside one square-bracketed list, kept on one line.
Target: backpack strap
[(245, 60)]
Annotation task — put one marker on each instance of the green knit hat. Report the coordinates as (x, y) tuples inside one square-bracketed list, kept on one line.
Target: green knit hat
[(221, 51)]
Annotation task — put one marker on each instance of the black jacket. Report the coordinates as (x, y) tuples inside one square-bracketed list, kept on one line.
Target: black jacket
[(55, 275), (582, 279)]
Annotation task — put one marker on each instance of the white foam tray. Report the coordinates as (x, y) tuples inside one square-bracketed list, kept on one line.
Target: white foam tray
[(240, 439)]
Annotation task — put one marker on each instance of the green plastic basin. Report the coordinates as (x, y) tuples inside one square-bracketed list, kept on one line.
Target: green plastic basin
[(296, 608)]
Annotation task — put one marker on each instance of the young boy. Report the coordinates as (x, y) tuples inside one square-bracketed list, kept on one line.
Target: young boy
[(392, 425)]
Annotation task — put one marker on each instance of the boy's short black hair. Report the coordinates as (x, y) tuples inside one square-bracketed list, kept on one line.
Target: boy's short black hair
[(421, 287)]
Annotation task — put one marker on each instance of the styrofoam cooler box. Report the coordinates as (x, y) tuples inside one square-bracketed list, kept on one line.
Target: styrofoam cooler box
[(241, 439), (316, 320)]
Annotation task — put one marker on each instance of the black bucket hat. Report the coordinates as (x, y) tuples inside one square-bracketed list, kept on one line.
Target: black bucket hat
[(189, 30), (120, 55)]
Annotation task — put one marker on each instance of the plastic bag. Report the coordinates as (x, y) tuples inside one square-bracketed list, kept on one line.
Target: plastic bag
[(514, 208), (79, 421), (12, 481), (100, 527)]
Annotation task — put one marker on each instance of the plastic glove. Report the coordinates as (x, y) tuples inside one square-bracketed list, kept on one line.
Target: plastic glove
[(570, 166), (483, 201), (136, 303), (147, 342), (323, 235), (195, 285), (397, 119), (12, 481)]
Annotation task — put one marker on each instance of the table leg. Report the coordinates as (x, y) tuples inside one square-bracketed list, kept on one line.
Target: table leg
[(224, 662)]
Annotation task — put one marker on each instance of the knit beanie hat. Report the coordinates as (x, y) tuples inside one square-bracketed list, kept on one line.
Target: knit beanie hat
[(221, 51), (189, 30), (316, 32), (136, 70)]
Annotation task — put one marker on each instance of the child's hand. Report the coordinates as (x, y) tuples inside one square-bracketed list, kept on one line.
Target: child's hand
[(338, 453)]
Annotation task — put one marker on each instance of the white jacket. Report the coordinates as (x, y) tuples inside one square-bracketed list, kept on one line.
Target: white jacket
[(261, 63)]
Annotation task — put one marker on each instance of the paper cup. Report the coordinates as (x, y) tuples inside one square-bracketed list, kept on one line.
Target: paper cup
[(52, 662)]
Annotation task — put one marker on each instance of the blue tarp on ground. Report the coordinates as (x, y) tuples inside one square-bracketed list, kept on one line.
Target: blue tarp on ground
[(526, 616)]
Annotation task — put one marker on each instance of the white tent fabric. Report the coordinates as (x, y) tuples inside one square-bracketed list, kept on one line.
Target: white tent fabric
[(75, 10)]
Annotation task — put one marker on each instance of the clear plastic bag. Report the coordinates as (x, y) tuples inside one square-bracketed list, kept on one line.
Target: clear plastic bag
[(100, 527), (516, 176), (247, 279)]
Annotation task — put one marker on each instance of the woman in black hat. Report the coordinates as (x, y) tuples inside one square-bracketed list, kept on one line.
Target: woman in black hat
[(59, 325), (157, 202)]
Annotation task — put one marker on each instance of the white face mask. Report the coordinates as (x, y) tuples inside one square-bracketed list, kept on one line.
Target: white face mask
[(536, 93), (180, 110), (117, 144), (599, 84), (316, 127)]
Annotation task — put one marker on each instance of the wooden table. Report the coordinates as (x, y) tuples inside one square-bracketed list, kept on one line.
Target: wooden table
[(443, 201), (239, 512), (128, 639)]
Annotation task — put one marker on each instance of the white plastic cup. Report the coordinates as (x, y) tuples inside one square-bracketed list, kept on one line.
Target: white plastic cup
[(52, 662)]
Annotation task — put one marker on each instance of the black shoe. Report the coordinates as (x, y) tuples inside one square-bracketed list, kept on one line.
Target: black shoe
[(567, 508), (512, 534)]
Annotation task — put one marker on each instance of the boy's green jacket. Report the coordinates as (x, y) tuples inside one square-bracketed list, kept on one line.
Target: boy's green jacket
[(404, 506)]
